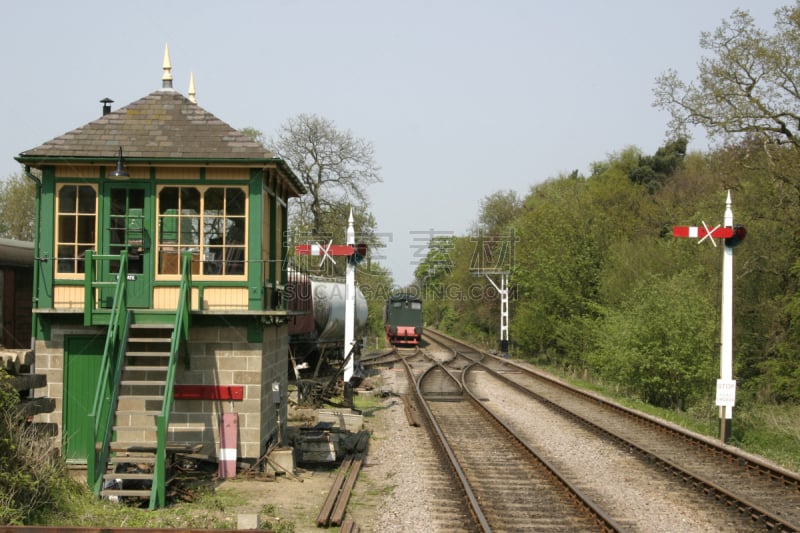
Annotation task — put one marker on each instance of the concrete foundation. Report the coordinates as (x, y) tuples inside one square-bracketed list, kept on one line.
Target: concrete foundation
[(344, 420), (282, 460), (248, 521)]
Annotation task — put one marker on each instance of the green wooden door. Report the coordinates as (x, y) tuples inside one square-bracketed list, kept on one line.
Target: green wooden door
[(127, 221), (82, 357)]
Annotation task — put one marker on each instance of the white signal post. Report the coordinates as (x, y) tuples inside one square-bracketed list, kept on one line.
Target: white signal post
[(726, 385), (349, 302), (328, 253)]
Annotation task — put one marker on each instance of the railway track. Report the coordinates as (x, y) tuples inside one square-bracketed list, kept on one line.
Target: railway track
[(507, 486), (446, 506), (768, 497)]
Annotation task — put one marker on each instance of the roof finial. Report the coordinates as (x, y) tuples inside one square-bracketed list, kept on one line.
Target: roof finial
[(192, 92), (166, 79)]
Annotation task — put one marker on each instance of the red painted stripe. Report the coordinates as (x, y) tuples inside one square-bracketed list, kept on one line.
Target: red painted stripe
[(208, 392), (340, 249), (680, 231), (334, 249)]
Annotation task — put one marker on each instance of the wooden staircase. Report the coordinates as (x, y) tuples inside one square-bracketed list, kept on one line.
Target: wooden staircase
[(141, 397)]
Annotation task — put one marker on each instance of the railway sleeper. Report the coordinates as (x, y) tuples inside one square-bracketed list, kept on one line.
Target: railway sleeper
[(444, 397)]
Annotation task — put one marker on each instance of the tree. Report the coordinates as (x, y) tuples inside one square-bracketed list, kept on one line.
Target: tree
[(17, 200), (748, 87), (255, 135), (334, 165), (498, 211), (747, 92), (433, 274), (654, 170), (335, 168)]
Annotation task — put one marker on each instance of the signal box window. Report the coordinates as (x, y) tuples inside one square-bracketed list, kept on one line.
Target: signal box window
[(209, 222), (76, 223)]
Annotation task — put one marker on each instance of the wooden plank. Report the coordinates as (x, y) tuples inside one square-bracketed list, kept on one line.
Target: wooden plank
[(35, 406)]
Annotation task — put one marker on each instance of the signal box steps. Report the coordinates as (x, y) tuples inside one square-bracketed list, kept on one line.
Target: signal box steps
[(141, 398)]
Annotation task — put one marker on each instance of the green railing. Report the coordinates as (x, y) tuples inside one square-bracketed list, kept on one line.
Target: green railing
[(180, 334), (102, 415)]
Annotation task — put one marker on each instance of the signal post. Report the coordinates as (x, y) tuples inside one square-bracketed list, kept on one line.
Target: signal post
[(354, 254), (732, 236)]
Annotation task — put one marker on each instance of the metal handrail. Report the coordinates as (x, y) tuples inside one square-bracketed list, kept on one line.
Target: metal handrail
[(107, 389), (180, 333)]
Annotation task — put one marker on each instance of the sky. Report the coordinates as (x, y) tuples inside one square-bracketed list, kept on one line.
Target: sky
[(460, 98)]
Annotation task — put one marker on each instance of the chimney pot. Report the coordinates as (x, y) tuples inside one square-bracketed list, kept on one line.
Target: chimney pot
[(106, 105)]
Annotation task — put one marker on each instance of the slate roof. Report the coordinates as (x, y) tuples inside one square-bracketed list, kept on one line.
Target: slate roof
[(161, 126)]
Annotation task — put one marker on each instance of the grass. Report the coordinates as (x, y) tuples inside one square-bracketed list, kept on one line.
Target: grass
[(210, 510), (770, 430), (207, 511), (367, 404)]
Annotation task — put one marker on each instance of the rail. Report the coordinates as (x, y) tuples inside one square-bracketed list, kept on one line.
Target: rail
[(458, 472), (604, 521), (769, 495)]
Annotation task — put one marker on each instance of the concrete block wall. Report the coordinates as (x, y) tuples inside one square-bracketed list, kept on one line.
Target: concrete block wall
[(275, 368), (222, 355), (219, 355)]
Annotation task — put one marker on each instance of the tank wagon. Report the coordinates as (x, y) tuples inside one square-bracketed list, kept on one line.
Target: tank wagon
[(403, 319), (320, 333)]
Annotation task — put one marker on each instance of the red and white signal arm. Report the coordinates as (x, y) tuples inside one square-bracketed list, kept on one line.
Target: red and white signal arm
[(321, 249), (695, 232)]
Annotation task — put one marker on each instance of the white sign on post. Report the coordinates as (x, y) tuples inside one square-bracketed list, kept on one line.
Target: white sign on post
[(726, 392)]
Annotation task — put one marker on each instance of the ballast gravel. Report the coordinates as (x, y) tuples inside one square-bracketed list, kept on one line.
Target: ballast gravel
[(397, 492)]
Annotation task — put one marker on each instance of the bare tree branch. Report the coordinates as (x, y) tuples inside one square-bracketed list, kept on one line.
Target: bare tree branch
[(334, 165)]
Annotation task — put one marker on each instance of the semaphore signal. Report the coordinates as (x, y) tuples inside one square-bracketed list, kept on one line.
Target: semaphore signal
[(717, 232), (732, 235), (354, 253), (327, 252)]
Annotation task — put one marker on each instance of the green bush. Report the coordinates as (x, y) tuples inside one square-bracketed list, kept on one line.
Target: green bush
[(655, 346), (33, 478)]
